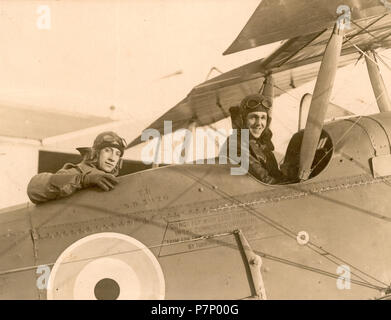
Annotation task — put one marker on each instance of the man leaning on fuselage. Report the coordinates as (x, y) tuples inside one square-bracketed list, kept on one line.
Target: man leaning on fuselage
[(99, 167)]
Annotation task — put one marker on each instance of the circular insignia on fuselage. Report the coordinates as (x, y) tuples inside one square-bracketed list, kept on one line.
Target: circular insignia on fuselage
[(106, 266)]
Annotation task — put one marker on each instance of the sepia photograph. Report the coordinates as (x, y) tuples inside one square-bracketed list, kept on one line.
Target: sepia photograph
[(195, 150)]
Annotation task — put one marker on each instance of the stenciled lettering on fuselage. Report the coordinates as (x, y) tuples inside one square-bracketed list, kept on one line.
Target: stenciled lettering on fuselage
[(208, 231)]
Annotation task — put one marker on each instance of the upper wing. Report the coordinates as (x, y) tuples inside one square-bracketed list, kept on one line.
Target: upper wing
[(295, 63), (279, 20)]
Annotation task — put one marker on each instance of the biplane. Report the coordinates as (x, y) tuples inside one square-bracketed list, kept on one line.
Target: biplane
[(196, 231)]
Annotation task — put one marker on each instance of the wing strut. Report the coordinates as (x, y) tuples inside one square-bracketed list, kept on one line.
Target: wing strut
[(267, 89), (254, 263), (333, 111), (320, 101), (379, 89)]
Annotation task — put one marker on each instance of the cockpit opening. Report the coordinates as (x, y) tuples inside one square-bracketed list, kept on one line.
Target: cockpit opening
[(323, 155)]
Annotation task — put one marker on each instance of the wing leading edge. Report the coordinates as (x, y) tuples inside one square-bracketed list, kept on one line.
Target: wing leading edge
[(293, 64), (279, 20)]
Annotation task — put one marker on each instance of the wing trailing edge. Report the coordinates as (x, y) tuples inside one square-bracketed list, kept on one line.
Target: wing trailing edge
[(293, 64)]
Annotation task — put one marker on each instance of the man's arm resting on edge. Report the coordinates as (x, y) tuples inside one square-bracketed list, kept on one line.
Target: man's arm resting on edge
[(48, 186)]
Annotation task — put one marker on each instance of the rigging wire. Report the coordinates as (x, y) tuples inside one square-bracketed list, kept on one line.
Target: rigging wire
[(263, 254), (382, 61), (370, 58), (361, 116), (287, 92), (366, 28), (357, 120), (260, 253), (348, 130), (286, 230)]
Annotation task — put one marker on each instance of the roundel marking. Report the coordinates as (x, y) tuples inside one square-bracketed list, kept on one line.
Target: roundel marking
[(106, 266)]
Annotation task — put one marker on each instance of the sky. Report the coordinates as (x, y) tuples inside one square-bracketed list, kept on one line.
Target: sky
[(111, 58), (99, 53)]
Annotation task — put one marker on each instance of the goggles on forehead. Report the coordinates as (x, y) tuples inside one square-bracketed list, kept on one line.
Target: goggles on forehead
[(114, 140), (110, 140), (254, 103)]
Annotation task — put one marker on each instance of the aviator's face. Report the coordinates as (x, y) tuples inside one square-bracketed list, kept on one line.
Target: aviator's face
[(108, 158), (256, 122)]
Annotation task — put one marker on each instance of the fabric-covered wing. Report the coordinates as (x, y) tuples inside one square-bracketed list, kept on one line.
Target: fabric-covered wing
[(293, 64), (285, 19)]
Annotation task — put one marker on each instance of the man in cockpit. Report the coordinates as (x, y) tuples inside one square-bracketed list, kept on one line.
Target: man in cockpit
[(99, 167), (254, 114)]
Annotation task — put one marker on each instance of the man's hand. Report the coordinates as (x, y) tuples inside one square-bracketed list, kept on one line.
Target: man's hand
[(103, 180)]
